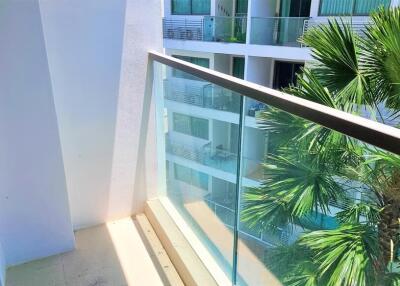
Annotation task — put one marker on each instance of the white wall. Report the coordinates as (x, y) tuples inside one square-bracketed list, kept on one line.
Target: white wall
[(34, 214), (2, 267), (98, 62), (222, 63), (395, 3), (314, 9), (84, 44), (263, 8), (260, 70)]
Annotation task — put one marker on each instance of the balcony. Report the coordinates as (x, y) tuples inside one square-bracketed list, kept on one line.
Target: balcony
[(113, 172), (206, 178), (200, 94), (208, 28)]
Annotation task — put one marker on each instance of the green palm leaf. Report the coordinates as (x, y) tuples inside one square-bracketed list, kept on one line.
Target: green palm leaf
[(345, 256)]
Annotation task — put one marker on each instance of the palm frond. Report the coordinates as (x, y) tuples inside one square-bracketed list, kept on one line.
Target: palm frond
[(345, 255), (296, 184), (359, 213), (380, 60), (337, 50)]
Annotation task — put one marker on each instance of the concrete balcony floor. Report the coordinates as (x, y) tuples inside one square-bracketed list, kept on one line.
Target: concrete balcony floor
[(114, 254)]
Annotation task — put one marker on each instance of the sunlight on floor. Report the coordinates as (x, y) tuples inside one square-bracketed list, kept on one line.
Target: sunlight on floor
[(106, 255), (132, 254)]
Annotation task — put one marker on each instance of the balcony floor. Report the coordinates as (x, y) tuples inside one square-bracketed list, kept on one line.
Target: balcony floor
[(111, 254)]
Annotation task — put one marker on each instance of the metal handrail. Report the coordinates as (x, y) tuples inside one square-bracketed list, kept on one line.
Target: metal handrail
[(372, 132)]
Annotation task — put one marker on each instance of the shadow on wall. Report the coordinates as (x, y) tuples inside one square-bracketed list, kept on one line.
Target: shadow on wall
[(34, 213), (98, 65)]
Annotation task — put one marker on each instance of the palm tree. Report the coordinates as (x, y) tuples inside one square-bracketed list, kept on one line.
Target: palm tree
[(309, 167)]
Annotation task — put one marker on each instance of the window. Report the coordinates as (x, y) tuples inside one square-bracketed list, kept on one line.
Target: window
[(193, 126), (241, 7), (285, 74), (191, 7), (350, 7), (190, 176), (203, 62), (238, 67), (295, 8)]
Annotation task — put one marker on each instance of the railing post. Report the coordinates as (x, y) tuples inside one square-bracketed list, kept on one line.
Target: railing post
[(238, 191)]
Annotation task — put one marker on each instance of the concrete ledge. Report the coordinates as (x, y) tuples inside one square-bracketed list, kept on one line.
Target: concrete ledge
[(160, 258), (189, 266)]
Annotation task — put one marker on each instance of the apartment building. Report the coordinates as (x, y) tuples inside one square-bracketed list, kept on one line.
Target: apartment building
[(255, 40)]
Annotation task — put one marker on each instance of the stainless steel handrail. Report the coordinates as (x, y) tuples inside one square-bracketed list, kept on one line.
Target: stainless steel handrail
[(372, 132)]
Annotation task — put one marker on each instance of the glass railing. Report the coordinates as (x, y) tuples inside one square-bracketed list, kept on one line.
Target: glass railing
[(318, 190), (283, 31), (358, 26), (201, 94), (225, 29), (218, 158), (208, 28)]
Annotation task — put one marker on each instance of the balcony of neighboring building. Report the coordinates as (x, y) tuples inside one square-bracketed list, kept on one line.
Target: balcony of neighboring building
[(274, 24)]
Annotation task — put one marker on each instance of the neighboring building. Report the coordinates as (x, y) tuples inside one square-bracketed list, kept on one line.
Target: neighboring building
[(255, 40)]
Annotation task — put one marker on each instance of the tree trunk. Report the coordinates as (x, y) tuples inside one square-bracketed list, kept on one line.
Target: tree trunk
[(388, 227), (388, 230)]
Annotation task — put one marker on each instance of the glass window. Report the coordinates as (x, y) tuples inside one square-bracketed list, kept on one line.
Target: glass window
[(180, 7), (193, 126), (201, 7), (365, 7), (238, 67), (190, 176), (285, 74), (241, 7), (203, 62), (191, 7), (350, 7)]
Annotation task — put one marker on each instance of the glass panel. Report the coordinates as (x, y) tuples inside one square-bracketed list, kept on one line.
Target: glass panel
[(190, 176), (294, 8), (203, 62), (238, 67), (225, 29), (316, 207), (365, 7), (181, 7), (319, 207), (350, 7), (336, 8), (285, 74), (201, 150), (277, 31), (201, 7), (193, 126), (241, 7)]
